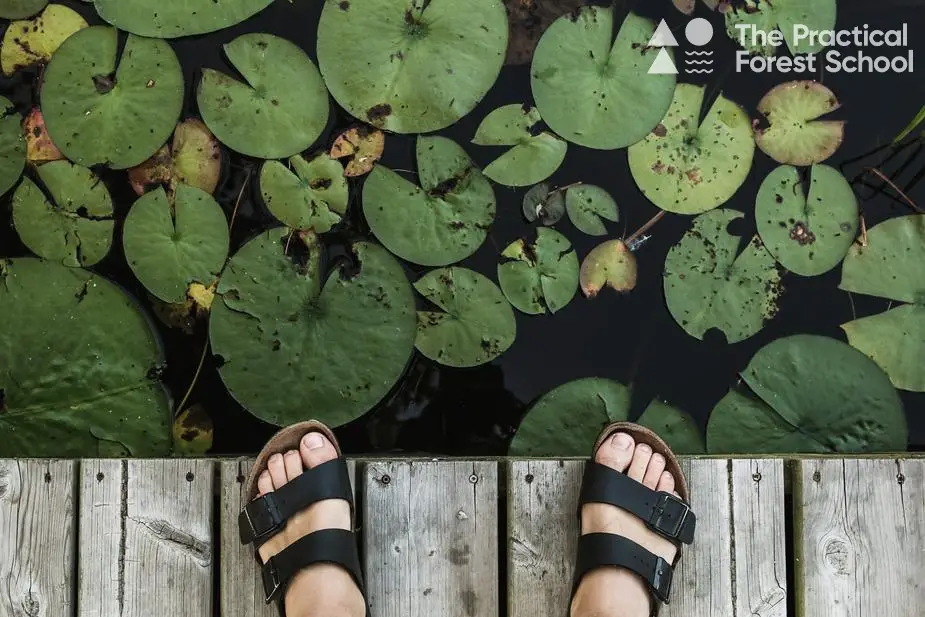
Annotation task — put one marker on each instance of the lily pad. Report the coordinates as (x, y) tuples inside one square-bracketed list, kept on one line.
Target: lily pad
[(287, 340), (688, 169), (194, 158), (104, 399), (587, 205), (193, 432), (807, 234), (281, 109), (20, 9), (12, 146), (92, 108), (314, 197), (73, 224), (169, 246), (363, 145), (442, 221), (594, 90), (795, 135), (167, 19), (676, 427), (30, 42), (711, 283), (566, 421), (474, 325), (609, 264), (810, 394), (411, 67), (781, 15), (535, 155), (895, 340), (544, 205), (39, 146), (540, 276)]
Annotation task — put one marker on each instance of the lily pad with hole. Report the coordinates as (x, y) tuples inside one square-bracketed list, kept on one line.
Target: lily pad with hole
[(809, 394), (194, 158), (12, 146), (688, 169), (40, 148), (440, 222), (473, 325), (676, 427), (795, 135), (167, 19), (567, 420), (594, 90), (609, 264), (20, 9), (312, 196), (172, 243), (544, 205), (78, 367), (411, 67), (807, 234), (711, 281), (101, 113), (285, 331), (535, 154), (589, 206), (31, 42), (280, 108), (362, 145), (783, 15), (540, 276), (71, 221)]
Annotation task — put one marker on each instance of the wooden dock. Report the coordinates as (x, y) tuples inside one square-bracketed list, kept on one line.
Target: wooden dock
[(834, 537)]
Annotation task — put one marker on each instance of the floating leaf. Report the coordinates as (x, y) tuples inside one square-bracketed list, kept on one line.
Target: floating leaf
[(77, 366), (12, 146), (288, 341), (808, 235), (39, 146), (281, 109), (782, 15), (441, 222), (535, 155), (194, 158), (74, 224), (172, 245), (609, 264), (895, 340), (411, 67), (811, 394), (595, 90), (688, 169), (314, 197), (544, 205), (587, 204), (26, 43), (567, 420), (795, 136), (710, 283), (474, 325), (540, 276), (20, 9), (364, 146), (193, 432), (167, 19), (676, 427)]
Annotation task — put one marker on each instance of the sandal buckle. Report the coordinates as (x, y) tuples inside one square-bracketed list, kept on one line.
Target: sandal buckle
[(661, 580), (262, 517), (669, 516), (271, 583)]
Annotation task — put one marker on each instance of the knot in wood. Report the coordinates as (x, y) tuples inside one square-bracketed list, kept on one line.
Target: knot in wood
[(837, 555)]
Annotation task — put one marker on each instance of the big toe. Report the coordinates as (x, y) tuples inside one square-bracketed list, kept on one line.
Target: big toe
[(616, 451), (316, 449)]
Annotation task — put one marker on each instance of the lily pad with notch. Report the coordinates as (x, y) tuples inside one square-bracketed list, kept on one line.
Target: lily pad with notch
[(167, 19), (544, 205), (12, 146), (675, 426), (540, 276), (313, 195), (783, 15), (795, 135), (588, 206), (194, 158), (609, 264), (32, 42), (535, 154)]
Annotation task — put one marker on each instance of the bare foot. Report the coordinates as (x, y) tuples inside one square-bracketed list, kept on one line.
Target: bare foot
[(321, 589), (615, 591)]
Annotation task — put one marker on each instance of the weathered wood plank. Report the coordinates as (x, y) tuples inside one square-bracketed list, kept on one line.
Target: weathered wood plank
[(37, 537), (145, 538), (431, 538), (860, 537)]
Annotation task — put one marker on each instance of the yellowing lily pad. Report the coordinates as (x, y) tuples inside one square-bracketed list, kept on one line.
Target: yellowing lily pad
[(29, 42), (39, 146), (795, 135), (193, 432), (609, 264), (535, 154), (312, 196), (783, 15), (540, 276), (363, 145), (194, 158), (588, 206), (12, 146), (169, 19)]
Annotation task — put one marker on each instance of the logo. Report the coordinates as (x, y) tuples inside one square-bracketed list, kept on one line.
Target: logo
[(699, 32)]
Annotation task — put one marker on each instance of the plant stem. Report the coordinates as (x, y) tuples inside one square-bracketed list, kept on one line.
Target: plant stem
[(904, 197), (237, 202), (192, 384), (651, 223)]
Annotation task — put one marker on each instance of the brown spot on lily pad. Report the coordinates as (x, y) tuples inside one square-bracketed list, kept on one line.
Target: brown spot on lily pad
[(660, 130), (378, 113), (363, 144)]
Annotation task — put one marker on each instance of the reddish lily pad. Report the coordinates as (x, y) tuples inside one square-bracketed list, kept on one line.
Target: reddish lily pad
[(194, 158), (795, 136), (363, 145), (610, 264), (39, 146)]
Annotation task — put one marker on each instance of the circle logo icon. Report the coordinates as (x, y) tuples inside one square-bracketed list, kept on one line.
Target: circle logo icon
[(699, 32)]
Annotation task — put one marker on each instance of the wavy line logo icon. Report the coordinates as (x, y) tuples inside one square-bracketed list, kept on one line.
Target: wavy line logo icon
[(699, 32)]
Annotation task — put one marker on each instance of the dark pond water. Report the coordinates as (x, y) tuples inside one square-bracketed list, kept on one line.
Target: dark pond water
[(631, 338)]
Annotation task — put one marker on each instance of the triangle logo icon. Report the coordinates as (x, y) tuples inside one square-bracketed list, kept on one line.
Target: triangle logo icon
[(663, 64), (663, 36)]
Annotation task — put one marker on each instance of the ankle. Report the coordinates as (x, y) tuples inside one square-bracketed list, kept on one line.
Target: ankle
[(611, 592)]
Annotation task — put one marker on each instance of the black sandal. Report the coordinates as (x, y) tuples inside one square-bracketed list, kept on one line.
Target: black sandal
[(662, 512), (264, 516)]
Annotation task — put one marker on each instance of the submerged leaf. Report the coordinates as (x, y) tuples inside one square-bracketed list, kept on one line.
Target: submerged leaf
[(364, 146), (31, 42), (544, 205), (314, 197), (609, 264), (193, 432), (676, 427), (587, 204), (169, 19), (783, 15), (12, 146), (39, 146), (540, 276), (795, 135), (534, 156)]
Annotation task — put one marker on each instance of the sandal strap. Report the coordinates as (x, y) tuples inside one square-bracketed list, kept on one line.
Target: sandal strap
[(662, 512), (263, 517), (597, 550)]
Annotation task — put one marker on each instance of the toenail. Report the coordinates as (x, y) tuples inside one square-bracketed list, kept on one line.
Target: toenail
[(644, 448), (657, 458), (276, 458), (313, 441), (622, 441)]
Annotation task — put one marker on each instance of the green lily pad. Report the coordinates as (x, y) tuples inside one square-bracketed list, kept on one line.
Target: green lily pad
[(688, 169), (594, 90), (609, 264), (795, 135), (544, 205), (710, 284), (172, 245), (281, 109), (93, 109), (895, 340), (441, 222), (314, 197), (12, 146), (567, 420), (782, 15), (167, 19), (411, 67), (287, 339), (534, 156), (540, 276), (587, 204), (74, 224), (811, 394), (676, 427), (474, 325), (31, 42), (77, 367), (20, 9), (807, 234)]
